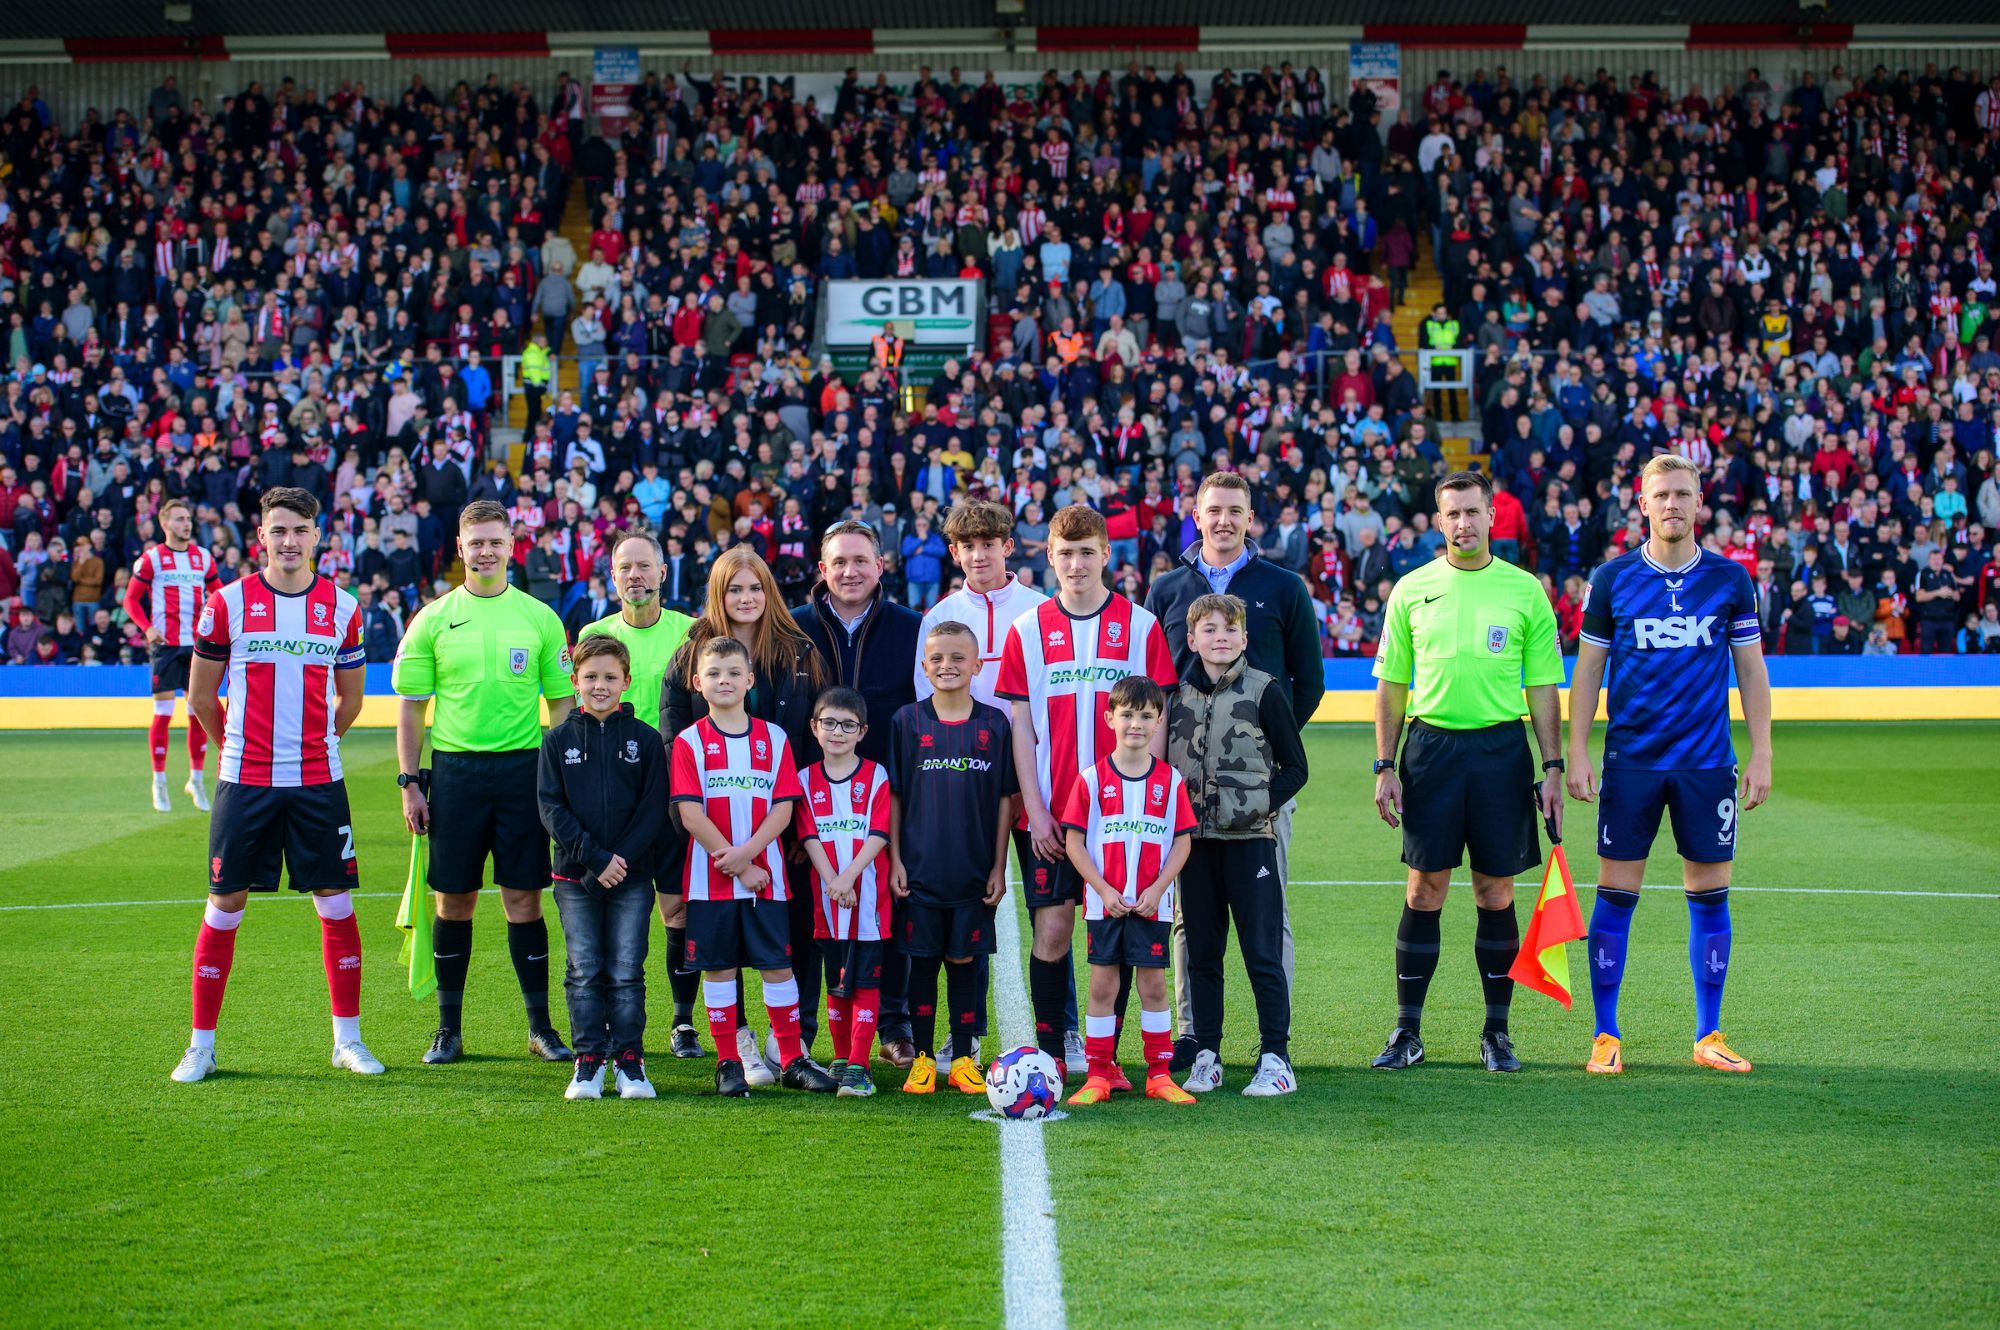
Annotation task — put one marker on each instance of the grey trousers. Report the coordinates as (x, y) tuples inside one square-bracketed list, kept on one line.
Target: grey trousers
[(1183, 999)]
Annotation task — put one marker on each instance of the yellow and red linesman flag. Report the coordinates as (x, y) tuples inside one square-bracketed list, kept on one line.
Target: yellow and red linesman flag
[(1543, 964)]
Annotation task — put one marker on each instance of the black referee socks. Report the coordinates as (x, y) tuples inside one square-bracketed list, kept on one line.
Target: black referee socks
[(529, 945), (1494, 947), (1416, 962), (451, 953)]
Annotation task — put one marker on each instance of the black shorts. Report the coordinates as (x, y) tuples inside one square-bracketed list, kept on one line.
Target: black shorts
[(170, 668), (484, 804), (1469, 794), (1044, 882), (256, 830), (844, 978), (1131, 940), (733, 935), (944, 930)]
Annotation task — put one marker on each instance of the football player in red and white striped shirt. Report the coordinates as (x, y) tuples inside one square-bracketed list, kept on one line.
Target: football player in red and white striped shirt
[(1128, 821), (843, 822), (1059, 664), (733, 785), (170, 584), (291, 643)]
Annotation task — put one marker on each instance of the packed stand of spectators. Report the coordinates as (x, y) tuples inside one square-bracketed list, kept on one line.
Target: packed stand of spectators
[(316, 287)]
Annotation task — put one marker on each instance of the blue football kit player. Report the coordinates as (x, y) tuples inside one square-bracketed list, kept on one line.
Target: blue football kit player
[(1668, 620)]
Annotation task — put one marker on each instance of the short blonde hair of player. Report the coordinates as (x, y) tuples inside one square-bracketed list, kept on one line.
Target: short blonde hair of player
[(1667, 464), (1231, 608)]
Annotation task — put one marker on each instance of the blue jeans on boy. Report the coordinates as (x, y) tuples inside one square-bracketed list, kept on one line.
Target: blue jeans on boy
[(605, 934)]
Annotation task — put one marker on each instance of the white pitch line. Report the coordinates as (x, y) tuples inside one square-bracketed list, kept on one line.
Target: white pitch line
[(1030, 1261)]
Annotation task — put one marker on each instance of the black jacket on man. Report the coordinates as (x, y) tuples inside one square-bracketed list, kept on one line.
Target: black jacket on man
[(1284, 633), (603, 791), (877, 659)]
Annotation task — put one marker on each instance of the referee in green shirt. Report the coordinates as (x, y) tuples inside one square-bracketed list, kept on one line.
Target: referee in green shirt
[(1463, 636), (651, 635), (482, 658)]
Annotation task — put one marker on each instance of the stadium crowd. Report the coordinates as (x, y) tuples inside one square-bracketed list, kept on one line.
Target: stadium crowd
[(317, 287)]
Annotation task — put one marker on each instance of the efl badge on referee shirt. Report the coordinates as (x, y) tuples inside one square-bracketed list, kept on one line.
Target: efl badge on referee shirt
[(1496, 638), (517, 660)]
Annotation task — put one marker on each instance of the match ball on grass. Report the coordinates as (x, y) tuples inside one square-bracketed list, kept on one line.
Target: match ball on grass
[(1023, 1085)]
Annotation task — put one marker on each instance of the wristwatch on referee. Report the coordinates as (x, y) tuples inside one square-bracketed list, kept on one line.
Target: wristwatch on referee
[(1383, 764), (420, 779)]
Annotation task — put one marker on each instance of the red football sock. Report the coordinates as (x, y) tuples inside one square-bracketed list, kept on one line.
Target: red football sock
[(781, 1004), (861, 1039), (340, 948), (158, 741), (1159, 1047), (197, 745), (1103, 1053), (721, 1000), (214, 952), (837, 1018)]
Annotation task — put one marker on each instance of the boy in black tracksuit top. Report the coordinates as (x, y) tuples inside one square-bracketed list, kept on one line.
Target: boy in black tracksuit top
[(1231, 735), (603, 794)]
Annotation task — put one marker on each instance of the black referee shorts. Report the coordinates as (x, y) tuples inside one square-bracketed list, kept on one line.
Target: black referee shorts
[(1469, 794), (484, 804)]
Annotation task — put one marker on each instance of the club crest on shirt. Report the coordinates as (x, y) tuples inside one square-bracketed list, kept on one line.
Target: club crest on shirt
[(517, 660), (761, 747), (631, 750), (1115, 632), (319, 614), (1496, 638), (1158, 792), (983, 739), (860, 792)]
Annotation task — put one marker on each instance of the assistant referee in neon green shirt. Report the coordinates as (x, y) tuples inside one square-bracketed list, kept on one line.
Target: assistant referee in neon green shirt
[(1464, 636), (651, 635), (481, 659)]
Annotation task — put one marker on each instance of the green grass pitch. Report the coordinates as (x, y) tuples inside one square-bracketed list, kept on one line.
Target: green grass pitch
[(1854, 1179)]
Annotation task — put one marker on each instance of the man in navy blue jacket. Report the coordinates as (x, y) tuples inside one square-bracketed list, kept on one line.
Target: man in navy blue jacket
[(869, 644), (1284, 643)]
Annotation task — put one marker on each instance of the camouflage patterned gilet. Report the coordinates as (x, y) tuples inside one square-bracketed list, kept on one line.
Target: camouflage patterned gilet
[(1215, 739)]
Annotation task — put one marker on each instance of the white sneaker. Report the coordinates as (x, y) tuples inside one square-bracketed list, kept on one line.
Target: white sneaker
[(354, 1056), (1205, 1075), (634, 1087), (771, 1059), (756, 1072), (161, 803), (195, 1065), (585, 1087), (1076, 1059), (1274, 1077), (197, 790)]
